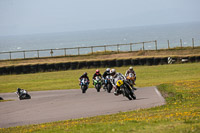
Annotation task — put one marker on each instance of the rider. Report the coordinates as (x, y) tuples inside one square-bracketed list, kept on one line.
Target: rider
[(115, 77), (130, 70), (84, 76), (97, 73), (18, 91), (106, 73)]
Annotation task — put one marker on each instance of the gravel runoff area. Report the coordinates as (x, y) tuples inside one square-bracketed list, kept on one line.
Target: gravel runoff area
[(56, 105)]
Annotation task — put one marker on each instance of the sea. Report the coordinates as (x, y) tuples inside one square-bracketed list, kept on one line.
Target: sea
[(176, 34)]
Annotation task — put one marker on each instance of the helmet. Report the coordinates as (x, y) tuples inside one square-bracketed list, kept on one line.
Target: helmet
[(97, 72), (108, 69), (112, 72), (85, 73), (130, 68)]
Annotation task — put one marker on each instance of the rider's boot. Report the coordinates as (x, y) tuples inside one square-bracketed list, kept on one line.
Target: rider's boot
[(117, 92), (134, 88)]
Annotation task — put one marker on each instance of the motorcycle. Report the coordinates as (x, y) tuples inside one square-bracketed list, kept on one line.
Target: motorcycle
[(108, 86), (131, 79), (97, 83), (84, 84), (125, 90), (22, 94)]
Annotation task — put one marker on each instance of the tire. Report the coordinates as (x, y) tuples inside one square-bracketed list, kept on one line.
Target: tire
[(83, 88), (74, 65), (119, 63), (98, 87), (22, 97), (109, 88), (127, 93), (28, 96), (25, 96), (132, 94)]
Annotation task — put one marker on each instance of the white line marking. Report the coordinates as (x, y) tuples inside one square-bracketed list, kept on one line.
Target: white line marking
[(158, 93)]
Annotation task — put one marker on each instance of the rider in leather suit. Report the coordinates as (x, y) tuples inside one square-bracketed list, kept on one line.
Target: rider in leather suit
[(97, 73), (84, 76), (115, 77)]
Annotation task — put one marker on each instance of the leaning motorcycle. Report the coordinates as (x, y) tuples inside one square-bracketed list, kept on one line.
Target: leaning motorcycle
[(131, 78), (97, 83), (108, 86), (125, 90), (84, 84), (23, 94)]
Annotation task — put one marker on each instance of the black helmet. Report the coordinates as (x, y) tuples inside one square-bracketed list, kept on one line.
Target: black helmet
[(85, 73)]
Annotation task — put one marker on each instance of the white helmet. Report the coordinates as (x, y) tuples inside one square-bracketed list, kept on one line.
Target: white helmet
[(108, 69), (112, 72), (130, 68)]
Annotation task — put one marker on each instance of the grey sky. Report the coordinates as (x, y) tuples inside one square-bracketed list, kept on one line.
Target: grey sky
[(44, 16)]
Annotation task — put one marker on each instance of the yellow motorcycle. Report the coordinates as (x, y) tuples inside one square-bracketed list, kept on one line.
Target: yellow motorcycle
[(131, 79), (125, 89)]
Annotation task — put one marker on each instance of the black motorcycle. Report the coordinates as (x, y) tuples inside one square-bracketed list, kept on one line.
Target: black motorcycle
[(23, 94), (125, 89), (108, 86), (84, 84), (97, 83)]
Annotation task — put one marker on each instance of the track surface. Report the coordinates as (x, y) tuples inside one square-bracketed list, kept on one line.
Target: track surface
[(49, 106)]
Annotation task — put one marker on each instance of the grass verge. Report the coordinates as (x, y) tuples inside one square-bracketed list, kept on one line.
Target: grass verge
[(6, 100)]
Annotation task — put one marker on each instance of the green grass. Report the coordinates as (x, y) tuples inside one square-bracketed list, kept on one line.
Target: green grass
[(146, 76), (6, 100), (179, 84)]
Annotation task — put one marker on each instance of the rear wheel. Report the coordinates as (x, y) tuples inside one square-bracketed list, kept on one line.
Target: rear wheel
[(25, 96), (28, 96), (133, 95)]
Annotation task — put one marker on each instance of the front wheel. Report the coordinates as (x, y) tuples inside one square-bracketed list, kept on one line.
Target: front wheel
[(98, 87), (83, 88), (109, 88)]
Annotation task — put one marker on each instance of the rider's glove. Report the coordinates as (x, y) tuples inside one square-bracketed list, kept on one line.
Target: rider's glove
[(115, 87)]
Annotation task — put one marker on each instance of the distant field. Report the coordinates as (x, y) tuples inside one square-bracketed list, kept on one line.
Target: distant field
[(185, 51), (146, 76)]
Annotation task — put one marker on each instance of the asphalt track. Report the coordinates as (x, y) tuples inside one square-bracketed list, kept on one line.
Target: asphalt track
[(49, 106)]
